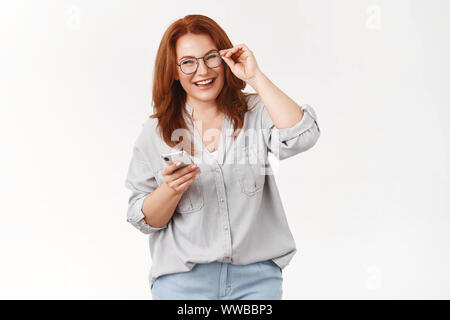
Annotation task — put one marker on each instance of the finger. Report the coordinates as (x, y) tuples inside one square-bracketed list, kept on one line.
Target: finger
[(229, 61), (184, 178), (238, 54), (183, 186), (243, 47), (228, 52), (239, 47), (224, 51), (178, 182), (170, 168), (183, 171), (232, 51)]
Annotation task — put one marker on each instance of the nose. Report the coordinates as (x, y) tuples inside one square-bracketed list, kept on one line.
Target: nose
[(202, 68)]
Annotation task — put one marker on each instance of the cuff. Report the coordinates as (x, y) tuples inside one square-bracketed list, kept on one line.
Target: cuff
[(136, 218), (308, 119)]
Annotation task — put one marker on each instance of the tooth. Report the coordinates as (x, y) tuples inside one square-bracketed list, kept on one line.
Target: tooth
[(205, 82)]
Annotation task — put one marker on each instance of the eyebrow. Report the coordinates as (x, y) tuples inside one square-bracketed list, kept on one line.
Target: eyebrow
[(195, 57)]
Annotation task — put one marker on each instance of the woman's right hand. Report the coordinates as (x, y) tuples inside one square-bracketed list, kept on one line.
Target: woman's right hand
[(180, 180)]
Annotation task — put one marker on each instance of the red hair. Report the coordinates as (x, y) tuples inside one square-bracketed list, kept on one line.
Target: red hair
[(169, 97)]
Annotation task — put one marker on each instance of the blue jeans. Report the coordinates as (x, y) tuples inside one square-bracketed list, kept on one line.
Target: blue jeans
[(222, 281)]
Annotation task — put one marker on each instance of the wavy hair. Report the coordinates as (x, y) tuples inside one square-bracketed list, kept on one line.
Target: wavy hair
[(169, 97)]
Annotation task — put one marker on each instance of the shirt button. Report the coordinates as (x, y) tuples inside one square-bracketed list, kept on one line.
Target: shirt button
[(218, 170), (221, 200), (226, 227)]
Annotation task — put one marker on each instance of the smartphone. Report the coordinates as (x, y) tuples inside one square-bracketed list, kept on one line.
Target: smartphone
[(179, 156)]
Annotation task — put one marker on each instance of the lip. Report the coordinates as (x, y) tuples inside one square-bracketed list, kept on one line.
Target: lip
[(203, 80), (207, 87)]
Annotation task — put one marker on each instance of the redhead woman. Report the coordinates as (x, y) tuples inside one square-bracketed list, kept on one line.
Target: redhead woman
[(217, 228)]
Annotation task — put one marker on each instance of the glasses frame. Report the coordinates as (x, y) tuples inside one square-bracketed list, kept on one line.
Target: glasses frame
[(197, 63)]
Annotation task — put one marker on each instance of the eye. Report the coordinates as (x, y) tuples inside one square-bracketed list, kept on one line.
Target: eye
[(212, 56), (189, 61)]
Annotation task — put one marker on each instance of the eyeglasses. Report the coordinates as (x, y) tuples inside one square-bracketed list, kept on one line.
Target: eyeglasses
[(190, 65)]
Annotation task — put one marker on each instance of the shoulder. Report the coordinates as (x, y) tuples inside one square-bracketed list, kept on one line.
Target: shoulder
[(254, 104), (149, 124), (253, 100), (148, 132)]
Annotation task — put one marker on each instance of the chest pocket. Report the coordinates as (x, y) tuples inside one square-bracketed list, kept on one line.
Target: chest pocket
[(249, 170), (192, 199)]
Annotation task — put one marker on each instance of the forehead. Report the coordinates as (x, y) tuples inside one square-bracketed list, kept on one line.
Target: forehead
[(195, 45)]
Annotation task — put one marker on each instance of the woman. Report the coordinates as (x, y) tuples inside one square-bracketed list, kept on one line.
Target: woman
[(217, 230)]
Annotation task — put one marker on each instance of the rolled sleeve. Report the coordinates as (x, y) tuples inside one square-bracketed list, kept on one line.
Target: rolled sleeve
[(287, 142), (141, 181)]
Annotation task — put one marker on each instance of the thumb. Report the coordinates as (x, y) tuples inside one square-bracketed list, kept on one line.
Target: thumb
[(229, 61)]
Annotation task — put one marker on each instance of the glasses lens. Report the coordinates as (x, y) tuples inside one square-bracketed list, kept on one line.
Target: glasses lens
[(213, 60), (188, 65)]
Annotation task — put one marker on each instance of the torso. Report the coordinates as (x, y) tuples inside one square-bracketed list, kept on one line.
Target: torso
[(211, 142)]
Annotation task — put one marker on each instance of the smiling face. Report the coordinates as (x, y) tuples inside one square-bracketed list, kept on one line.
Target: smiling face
[(197, 45)]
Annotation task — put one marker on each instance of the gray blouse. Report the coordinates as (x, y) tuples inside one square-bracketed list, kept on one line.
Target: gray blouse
[(232, 212)]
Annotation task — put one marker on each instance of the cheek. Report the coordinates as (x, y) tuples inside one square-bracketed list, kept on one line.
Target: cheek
[(185, 82), (183, 78)]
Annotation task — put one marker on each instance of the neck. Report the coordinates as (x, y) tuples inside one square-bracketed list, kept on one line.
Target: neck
[(204, 109)]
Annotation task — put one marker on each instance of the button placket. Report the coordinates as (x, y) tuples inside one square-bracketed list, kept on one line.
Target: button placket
[(220, 188)]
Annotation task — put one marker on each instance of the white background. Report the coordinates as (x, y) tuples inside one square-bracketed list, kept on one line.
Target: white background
[(368, 205)]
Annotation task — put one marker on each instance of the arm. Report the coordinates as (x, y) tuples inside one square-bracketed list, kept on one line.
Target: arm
[(150, 207), (159, 206), (287, 128), (283, 111)]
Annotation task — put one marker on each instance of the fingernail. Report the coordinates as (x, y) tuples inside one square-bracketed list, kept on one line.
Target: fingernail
[(193, 166), (178, 163)]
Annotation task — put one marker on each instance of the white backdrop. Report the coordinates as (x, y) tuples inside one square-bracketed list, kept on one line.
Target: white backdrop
[(367, 204)]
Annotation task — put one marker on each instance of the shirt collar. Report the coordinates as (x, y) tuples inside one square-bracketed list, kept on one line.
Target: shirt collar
[(189, 109)]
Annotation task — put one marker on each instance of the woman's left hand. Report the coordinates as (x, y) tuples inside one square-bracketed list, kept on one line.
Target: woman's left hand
[(241, 61)]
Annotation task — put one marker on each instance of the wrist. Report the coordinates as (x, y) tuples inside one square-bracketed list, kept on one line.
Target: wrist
[(256, 80)]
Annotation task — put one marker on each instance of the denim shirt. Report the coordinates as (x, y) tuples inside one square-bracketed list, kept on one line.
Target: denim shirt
[(232, 212)]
